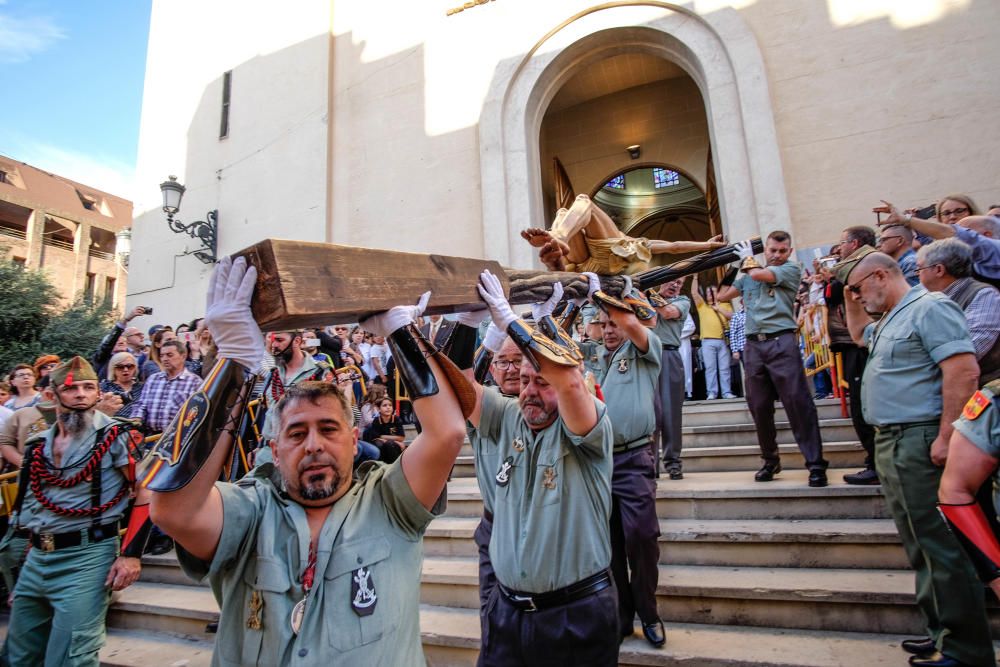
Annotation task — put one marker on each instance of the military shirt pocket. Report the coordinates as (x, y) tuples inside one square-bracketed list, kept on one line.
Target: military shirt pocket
[(905, 347), (265, 587), (346, 629), (549, 477)]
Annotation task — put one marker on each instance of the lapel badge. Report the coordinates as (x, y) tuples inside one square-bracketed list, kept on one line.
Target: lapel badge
[(549, 479), (623, 365), (518, 445), (363, 596), (503, 475), (256, 606)]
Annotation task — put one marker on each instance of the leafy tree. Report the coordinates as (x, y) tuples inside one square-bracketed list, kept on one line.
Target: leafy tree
[(33, 321)]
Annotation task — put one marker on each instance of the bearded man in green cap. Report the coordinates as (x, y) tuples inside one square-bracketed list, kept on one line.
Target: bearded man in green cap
[(75, 486)]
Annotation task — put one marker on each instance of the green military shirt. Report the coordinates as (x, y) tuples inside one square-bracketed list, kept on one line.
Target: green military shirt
[(629, 380), (591, 351), (902, 380), (770, 307), (485, 452), (669, 331), (552, 498), (35, 517), (370, 543), (980, 423)]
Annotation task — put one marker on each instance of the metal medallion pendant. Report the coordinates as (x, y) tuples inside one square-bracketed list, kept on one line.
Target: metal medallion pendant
[(503, 475), (363, 595), (298, 612), (623, 365)]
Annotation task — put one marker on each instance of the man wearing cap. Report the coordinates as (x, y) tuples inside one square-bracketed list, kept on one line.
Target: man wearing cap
[(310, 565), (771, 360), (921, 370), (75, 486), (631, 357), (670, 397), (550, 546)]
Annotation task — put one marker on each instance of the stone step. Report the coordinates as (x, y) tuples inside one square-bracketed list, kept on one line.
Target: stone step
[(719, 435), (732, 495), (451, 638), (864, 544), (178, 609), (735, 411), (135, 648), (841, 600), (732, 457)]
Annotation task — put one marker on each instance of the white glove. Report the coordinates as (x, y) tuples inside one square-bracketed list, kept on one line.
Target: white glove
[(540, 310), (494, 338), (228, 316), (397, 317), (492, 292), (473, 318), (595, 284), (744, 249)]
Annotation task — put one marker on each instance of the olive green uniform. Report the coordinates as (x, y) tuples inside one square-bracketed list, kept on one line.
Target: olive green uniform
[(368, 561), (901, 395), (60, 600)]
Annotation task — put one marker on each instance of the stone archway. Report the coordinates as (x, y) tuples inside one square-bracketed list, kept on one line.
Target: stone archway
[(717, 50)]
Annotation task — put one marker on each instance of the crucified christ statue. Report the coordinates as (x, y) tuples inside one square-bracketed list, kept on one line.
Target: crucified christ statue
[(583, 238)]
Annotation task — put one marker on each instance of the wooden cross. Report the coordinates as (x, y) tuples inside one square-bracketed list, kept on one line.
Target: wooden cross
[(302, 284)]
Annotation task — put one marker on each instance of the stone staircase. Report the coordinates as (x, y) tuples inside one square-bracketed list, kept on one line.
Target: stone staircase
[(750, 574)]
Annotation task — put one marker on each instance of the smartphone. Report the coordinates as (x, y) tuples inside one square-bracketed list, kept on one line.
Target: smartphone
[(148, 309), (188, 337)]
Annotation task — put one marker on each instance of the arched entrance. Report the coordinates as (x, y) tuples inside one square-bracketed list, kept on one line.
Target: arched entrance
[(717, 52)]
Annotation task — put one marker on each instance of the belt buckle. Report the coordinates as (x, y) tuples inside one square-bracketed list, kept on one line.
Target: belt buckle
[(526, 598), (761, 337), (47, 542)]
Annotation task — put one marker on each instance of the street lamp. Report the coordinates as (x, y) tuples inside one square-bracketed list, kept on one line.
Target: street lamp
[(204, 230), (123, 245)]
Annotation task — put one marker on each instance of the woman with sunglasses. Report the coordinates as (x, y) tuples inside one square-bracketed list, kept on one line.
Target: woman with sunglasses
[(123, 381), (22, 383)]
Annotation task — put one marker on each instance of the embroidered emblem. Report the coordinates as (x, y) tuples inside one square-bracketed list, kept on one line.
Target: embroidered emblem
[(549, 479), (975, 406), (518, 445), (503, 475), (256, 606), (623, 365), (363, 596)]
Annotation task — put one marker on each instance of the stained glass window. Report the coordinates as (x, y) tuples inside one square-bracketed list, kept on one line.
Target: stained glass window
[(664, 178), (616, 183)]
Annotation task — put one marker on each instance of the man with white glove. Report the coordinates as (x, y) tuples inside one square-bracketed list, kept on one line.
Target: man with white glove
[(283, 547), (550, 492)]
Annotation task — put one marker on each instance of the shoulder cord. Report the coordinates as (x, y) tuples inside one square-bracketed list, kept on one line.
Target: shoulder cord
[(41, 472)]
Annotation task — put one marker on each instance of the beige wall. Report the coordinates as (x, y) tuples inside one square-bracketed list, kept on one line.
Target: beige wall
[(666, 118)]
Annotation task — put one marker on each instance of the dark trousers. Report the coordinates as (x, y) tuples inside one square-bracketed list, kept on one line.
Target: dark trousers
[(854, 359), (487, 579), (668, 405), (635, 551), (583, 633), (774, 370)]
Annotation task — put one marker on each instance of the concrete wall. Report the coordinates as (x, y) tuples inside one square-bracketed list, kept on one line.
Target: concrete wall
[(886, 98)]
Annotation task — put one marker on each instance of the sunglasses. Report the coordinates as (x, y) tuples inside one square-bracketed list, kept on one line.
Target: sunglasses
[(856, 287), (125, 367)]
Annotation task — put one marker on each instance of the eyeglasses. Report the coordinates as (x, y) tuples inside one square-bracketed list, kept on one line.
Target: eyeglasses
[(21, 376), (954, 211), (856, 287), (504, 364), (883, 239), (46, 367), (924, 268)]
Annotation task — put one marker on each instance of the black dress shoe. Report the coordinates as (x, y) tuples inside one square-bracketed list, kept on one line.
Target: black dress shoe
[(767, 472), (865, 477), (675, 473), (922, 646), (654, 633), (937, 659), (817, 478)]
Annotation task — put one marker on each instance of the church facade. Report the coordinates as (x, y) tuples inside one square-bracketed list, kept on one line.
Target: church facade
[(446, 127)]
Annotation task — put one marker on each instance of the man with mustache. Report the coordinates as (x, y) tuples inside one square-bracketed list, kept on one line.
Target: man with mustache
[(308, 563), (554, 603), (75, 486)]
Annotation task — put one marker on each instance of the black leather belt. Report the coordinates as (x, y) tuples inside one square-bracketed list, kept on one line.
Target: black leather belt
[(633, 444), (768, 336), (571, 593), (53, 541), (671, 347)]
